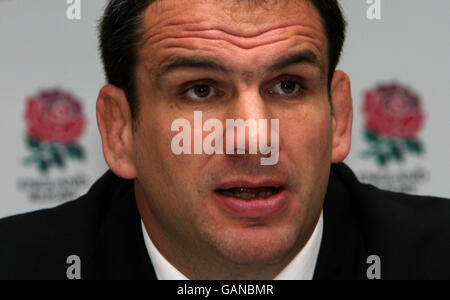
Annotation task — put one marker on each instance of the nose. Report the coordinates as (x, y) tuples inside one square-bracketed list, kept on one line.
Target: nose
[(252, 125)]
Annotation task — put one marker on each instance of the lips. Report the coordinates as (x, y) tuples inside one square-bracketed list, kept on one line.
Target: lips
[(252, 200)]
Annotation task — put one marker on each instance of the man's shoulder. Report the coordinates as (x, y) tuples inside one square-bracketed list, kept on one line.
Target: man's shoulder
[(80, 214), (41, 241), (409, 232), (41, 225), (405, 211), (394, 207)]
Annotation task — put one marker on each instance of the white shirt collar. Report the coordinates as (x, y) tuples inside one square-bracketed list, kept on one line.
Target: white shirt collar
[(300, 268)]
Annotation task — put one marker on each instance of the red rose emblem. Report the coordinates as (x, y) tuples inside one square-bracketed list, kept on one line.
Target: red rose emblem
[(392, 110), (54, 117), (393, 119)]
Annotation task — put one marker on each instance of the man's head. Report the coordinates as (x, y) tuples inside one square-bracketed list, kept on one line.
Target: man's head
[(121, 35), (230, 60)]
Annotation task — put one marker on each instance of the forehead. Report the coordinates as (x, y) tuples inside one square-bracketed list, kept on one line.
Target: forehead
[(245, 30)]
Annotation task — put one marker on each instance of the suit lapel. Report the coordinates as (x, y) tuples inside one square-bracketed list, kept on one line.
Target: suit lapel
[(342, 253)]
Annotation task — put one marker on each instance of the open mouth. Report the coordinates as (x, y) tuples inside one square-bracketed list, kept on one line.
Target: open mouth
[(259, 198), (246, 193)]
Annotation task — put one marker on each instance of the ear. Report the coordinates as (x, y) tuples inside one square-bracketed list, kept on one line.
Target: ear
[(116, 129), (342, 116)]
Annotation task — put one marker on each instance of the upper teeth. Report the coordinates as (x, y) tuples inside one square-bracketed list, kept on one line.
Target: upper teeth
[(246, 194)]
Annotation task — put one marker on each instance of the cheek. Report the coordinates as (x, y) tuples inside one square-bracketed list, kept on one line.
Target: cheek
[(307, 148), (155, 158), (162, 174), (306, 139), (158, 166)]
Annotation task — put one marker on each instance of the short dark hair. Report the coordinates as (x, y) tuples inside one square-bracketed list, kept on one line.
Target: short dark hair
[(121, 30)]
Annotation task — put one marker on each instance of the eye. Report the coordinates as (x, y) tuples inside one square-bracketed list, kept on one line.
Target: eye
[(287, 88), (200, 92)]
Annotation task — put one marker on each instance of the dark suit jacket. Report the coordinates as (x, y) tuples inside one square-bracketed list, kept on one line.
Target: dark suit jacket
[(410, 234)]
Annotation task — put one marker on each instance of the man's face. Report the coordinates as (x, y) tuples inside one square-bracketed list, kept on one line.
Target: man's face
[(247, 44)]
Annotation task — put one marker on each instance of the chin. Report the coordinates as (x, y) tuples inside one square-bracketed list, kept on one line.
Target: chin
[(256, 245)]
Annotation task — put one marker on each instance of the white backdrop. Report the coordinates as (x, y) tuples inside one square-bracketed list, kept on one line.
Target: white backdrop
[(409, 46), (42, 50)]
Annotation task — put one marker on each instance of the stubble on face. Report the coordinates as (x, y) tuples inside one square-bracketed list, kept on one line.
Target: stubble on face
[(174, 192)]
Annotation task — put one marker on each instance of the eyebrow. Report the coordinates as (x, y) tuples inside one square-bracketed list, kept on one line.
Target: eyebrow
[(194, 62), (301, 57), (205, 63)]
